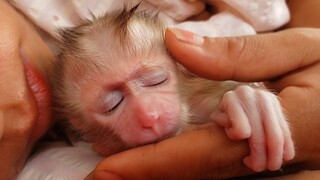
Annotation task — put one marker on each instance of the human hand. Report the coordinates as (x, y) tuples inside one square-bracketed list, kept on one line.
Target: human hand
[(24, 98), (289, 60)]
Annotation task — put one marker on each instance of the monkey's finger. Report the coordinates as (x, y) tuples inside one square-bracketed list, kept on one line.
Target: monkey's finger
[(288, 147), (247, 99), (192, 155), (272, 117), (257, 160), (240, 126), (221, 118), (248, 58)]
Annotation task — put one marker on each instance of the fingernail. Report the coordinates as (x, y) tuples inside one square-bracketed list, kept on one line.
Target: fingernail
[(105, 175), (187, 37)]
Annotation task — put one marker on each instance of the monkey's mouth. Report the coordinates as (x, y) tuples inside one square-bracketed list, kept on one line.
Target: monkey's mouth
[(40, 90), (159, 139)]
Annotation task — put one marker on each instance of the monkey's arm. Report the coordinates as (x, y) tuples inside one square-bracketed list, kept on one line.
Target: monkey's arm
[(256, 114)]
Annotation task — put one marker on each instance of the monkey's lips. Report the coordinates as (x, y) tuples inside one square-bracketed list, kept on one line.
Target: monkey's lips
[(41, 93)]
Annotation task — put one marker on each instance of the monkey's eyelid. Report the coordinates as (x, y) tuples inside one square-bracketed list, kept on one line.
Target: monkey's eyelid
[(112, 109), (111, 101), (155, 79), (156, 84)]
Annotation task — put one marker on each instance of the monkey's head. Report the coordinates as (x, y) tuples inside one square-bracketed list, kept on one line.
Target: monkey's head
[(116, 84)]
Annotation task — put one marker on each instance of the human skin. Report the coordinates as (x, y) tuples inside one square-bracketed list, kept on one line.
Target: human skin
[(24, 96), (289, 60), (304, 14)]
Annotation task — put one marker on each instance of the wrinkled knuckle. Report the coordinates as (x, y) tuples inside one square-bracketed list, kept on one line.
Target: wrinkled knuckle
[(269, 100), (228, 95), (245, 91), (242, 51), (267, 93), (263, 96), (236, 46)]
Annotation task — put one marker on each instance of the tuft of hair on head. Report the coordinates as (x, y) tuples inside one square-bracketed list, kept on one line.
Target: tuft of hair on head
[(125, 28)]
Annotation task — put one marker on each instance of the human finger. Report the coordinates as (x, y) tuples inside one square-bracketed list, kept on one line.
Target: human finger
[(246, 58)]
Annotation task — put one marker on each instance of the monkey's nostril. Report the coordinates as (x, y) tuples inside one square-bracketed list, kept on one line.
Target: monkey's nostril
[(154, 114)]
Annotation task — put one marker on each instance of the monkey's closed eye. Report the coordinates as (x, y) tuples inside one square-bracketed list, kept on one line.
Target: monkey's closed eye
[(112, 102), (158, 83), (155, 78)]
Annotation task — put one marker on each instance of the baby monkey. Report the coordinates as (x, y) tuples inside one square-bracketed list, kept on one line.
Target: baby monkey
[(117, 87)]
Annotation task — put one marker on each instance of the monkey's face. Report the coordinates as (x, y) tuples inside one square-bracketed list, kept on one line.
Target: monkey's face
[(129, 103), (117, 82)]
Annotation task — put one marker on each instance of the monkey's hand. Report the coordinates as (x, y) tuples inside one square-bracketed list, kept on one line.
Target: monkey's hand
[(256, 114)]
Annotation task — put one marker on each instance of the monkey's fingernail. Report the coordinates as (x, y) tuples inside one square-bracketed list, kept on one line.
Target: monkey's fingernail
[(103, 175), (187, 37)]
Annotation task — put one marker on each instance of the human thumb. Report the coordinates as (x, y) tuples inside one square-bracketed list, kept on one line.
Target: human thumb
[(246, 58)]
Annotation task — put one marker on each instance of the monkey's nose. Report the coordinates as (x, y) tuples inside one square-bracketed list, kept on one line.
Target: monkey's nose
[(149, 119)]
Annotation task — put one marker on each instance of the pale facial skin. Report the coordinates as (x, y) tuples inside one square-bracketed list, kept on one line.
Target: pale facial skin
[(25, 99)]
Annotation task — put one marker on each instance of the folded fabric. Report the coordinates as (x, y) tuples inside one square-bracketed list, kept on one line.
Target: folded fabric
[(262, 15)]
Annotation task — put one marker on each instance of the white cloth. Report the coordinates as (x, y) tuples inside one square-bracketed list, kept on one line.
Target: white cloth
[(264, 15), (62, 162)]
